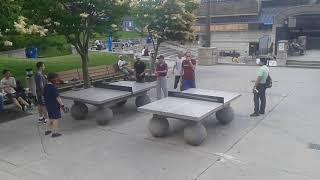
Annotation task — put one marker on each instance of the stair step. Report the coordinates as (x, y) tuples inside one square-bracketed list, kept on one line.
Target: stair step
[(304, 66)]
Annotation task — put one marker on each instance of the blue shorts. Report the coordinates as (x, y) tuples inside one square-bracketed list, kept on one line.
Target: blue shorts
[(54, 112), (187, 84)]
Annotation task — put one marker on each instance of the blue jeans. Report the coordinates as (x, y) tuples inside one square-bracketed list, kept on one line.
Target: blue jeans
[(187, 84)]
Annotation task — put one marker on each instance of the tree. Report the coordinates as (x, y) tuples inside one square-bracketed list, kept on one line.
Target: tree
[(77, 20), (9, 12), (165, 20)]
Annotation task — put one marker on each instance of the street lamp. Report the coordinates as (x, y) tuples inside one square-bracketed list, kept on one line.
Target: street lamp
[(208, 23)]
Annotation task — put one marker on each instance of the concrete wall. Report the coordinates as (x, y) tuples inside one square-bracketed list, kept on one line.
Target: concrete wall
[(238, 41), (18, 53)]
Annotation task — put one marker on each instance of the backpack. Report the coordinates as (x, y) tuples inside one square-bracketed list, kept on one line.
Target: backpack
[(269, 82)]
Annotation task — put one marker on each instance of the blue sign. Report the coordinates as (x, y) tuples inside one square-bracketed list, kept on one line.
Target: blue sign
[(110, 44)]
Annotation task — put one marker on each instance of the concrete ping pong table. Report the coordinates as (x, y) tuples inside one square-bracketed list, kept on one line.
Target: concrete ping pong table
[(191, 106), (105, 95)]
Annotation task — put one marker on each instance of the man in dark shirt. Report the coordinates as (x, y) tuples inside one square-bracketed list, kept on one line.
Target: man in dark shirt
[(161, 72), (188, 72), (41, 81), (139, 68)]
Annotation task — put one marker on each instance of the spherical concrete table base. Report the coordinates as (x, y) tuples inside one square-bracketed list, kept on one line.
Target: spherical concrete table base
[(79, 111), (195, 134), (225, 115), (158, 126), (103, 116), (142, 100)]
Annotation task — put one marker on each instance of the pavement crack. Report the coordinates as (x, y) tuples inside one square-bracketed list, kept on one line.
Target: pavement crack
[(243, 136), (7, 162)]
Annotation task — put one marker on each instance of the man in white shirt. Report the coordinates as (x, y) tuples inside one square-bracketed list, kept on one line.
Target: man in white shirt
[(123, 66), (8, 85), (177, 69)]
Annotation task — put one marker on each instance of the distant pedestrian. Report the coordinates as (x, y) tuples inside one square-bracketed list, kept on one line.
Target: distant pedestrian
[(54, 104), (161, 72), (188, 72), (259, 89), (41, 81), (177, 68), (1, 102), (140, 68)]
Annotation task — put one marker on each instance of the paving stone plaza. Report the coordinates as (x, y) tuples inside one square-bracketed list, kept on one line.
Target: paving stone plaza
[(273, 146)]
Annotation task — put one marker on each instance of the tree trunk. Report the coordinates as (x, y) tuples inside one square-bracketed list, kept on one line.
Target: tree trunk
[(85, 71), (156, 49)]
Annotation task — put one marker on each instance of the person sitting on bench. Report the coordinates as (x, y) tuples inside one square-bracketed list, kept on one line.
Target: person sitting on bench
[(7, 84), (123, 67)]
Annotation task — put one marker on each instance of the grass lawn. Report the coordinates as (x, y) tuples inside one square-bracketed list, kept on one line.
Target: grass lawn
[(53, 64)]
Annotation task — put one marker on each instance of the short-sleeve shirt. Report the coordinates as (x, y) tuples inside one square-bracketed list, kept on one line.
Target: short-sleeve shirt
[(40, 81), (162, 67), (139, 67), (121, 63), (188, 72), (178, 66), (11, 81), (263, 72), (50, 94)]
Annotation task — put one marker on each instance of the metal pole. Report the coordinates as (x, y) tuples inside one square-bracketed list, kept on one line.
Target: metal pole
[(208, 33)]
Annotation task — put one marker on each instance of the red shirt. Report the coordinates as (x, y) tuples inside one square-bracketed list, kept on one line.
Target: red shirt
[(188, 72), (162, 67)]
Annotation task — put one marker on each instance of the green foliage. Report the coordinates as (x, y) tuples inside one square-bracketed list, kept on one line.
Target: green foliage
[(53, 64), (47, 46), (77, 20), (9, 11), (165, 20)]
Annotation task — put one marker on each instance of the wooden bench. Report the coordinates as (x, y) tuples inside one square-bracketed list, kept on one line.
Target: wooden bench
[(70, 78), (74, 78)]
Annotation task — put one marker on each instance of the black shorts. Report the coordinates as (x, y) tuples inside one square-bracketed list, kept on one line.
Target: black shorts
[(11, 96)]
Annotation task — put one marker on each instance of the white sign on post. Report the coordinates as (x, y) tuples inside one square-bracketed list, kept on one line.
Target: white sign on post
[(281, 46)]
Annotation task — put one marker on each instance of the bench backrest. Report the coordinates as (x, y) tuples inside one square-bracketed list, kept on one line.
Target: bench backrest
[(70, 75), (98, 71)]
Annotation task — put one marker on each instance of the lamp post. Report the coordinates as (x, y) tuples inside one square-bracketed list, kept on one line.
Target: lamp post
[(208, 23)]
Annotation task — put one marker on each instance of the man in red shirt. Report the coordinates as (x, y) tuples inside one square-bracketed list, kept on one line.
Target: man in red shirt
[(188, 72), (161, 72)]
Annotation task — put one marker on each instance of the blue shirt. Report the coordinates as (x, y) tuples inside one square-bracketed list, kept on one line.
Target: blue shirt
[(50, 96)]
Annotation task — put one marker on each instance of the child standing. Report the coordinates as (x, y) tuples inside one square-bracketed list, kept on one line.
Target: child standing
[(54, 104)]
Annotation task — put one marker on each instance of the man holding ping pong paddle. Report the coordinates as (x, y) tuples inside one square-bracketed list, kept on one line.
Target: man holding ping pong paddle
[(188, 72), (161, 73)]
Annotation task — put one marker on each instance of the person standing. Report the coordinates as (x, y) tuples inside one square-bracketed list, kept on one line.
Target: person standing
[(188, 72), (259, 89), (140, 68), (177, 69), (161, 72), (41, 81), (54, 104)]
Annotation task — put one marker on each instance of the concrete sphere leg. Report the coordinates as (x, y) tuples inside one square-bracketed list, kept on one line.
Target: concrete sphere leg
[(195, 134), (79, 111), (159, 126), (142, 100), (103, 116), (225, 115)]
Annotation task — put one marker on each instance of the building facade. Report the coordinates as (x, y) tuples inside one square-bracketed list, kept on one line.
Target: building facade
[(255, 26)]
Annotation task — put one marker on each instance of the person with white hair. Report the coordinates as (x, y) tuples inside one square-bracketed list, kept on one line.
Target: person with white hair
[(123, 67)]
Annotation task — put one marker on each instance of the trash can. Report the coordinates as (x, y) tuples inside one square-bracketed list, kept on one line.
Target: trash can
[(32, 53)]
